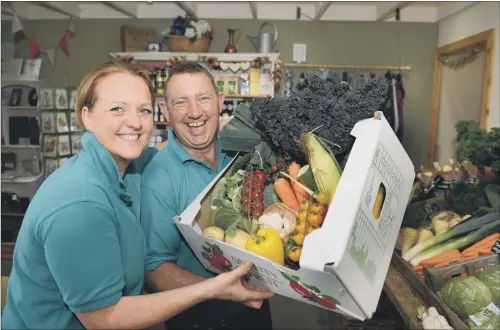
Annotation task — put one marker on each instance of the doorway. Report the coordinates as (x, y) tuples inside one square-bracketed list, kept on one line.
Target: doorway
[(462, 86)]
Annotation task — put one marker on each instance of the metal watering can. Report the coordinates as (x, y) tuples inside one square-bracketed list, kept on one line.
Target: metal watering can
[(266, 41)]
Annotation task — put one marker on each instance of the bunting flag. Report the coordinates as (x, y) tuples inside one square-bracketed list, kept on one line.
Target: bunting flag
[(71, 28), (17, 29), (63, 44), (34, 48), (51, 54)]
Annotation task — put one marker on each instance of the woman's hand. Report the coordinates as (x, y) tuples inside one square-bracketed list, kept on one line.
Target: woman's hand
[(233, 286)]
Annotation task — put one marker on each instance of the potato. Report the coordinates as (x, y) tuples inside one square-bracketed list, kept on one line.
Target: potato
[(215, 233)]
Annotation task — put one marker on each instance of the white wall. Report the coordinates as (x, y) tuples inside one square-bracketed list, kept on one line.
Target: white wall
[(472, 20)]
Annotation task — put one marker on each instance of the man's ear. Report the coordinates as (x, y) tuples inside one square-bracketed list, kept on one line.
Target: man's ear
[(164, 110), (87, 118), (221, 98)]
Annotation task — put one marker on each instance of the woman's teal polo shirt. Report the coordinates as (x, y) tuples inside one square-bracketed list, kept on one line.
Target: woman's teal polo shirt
[(81, 246)]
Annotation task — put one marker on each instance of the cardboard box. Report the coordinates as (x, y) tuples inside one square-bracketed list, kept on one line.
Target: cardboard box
[(344, 264)]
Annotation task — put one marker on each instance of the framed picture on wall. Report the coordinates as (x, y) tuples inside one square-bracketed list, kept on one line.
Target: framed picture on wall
[(50, 146), (62, 122), (76, 143), (72, 99), (73, 123), (31, 68), (48, 122), (63, 146), (46, 98), (61, 98), (50, 166)]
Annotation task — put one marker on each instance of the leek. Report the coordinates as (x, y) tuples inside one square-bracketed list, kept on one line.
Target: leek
[(471, 238), (463, 228)]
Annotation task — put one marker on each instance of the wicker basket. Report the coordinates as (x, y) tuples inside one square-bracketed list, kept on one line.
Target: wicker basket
[(181, 44)]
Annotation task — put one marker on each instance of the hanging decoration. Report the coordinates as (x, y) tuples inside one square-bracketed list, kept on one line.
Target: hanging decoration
[(458, 61), (35, 49)]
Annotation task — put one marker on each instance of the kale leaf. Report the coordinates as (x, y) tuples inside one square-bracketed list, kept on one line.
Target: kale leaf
[(328, 103)]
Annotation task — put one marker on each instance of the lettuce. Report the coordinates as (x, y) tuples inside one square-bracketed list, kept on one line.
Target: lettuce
[(466, 295), (491, 278)]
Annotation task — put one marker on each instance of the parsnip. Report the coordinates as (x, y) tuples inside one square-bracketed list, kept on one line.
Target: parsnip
[(424, 234), (410, 237), (440, 226)]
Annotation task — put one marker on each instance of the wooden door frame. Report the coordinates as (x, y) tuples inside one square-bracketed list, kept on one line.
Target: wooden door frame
[(486, 37)]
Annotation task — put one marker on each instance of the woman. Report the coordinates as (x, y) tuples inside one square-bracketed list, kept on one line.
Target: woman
[(80, 254)]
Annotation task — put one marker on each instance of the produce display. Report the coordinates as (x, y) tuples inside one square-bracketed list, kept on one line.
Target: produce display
[(465, 227), (280, 192)]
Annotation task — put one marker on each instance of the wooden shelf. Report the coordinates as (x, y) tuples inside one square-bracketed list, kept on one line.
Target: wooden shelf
[(20, 146), (23, 179), (162, 123), (165, 56)]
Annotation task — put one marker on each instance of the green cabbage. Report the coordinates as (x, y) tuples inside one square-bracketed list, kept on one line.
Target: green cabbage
[(491, 278), (466, 295)]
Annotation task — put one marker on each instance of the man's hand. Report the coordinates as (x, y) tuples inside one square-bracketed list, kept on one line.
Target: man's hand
[(233, 286)]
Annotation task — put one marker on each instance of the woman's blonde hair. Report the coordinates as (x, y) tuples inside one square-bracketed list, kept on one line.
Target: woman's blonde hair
[(86, 93)]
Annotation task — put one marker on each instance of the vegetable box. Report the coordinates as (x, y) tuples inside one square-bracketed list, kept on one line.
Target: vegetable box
[(344, 263)]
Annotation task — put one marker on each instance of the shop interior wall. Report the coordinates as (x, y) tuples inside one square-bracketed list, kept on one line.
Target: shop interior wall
[(472, 20), (327, 43), (460, 99)]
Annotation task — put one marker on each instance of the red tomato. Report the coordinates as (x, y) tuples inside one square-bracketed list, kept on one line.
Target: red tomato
[(256, 195), (261, 176)]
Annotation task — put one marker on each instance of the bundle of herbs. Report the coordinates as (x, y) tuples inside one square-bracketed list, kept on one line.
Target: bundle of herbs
[(329, 106), (477, 145)]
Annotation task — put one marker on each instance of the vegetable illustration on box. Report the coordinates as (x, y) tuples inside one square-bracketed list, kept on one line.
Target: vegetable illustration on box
[(310, 292), (216, 258)]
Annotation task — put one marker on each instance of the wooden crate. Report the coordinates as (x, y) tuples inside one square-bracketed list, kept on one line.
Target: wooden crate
[(435, 278), (426, 292), (136, 38)]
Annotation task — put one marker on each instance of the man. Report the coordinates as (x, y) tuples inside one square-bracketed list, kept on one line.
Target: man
[(191, 159)]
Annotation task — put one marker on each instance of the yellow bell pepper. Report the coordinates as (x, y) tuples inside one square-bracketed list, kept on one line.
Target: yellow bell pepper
[(267, 243)]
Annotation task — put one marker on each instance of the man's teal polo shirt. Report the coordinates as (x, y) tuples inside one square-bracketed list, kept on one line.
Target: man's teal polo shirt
[(81, 246), (171, 181)]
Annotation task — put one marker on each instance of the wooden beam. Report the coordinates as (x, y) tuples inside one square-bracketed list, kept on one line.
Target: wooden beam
[(7, 11), (321, 8), (127, 8), (71, 9), (253, 8), (386, 9), (20, 8), (189, 9)]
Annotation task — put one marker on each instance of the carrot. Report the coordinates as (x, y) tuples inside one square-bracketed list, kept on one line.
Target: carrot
[(485, 252), (418, 268), (286, 194), (441, 257), (470, 257), (301, 194), (488, 241), (456, 258)]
